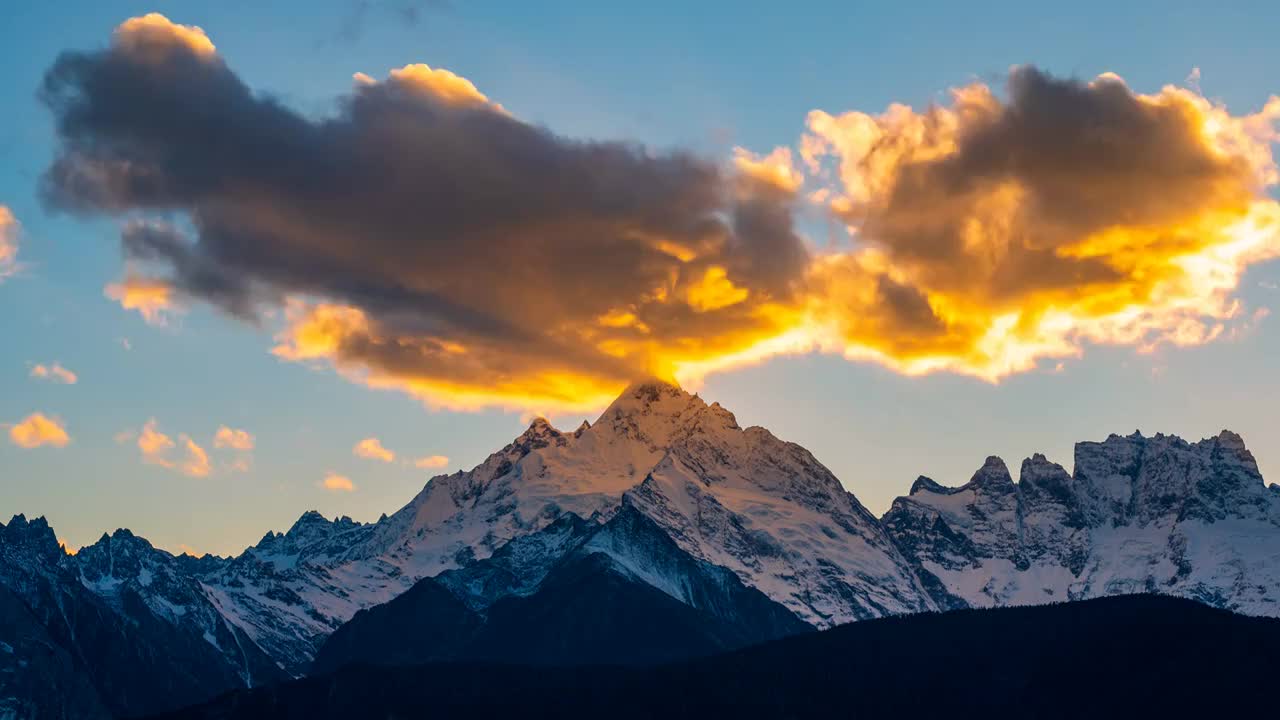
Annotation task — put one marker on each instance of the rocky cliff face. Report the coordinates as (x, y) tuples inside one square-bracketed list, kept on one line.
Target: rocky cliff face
[(1139, 515)]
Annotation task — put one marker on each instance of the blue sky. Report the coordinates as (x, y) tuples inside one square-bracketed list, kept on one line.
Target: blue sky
[(706, 78)]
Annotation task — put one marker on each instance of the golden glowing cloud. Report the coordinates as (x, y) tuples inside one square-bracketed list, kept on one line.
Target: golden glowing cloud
[(153, 299), (431, 462), (233, 438), (777, 168), (965, 257), (372, 449), (54, 373), (446, 249), (992, 234), (8, 243), (38, 429), (156, 446), (322, 332), (152, 35), (334, 482), (436, 82)]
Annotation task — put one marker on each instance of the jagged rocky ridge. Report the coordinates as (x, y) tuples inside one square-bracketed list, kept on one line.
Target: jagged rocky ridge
[(121, 629), (1156, 515), (1140, 514)]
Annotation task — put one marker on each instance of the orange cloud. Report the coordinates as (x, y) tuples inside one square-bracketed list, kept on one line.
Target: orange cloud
[(8, 243), (154, 36), (435, 83), (372, 449), (431, 462), (54, 373), (153, 443), (156, 446), (334, 482), (37, 430), (196, 463), (994, 233), (152, 298), (777, 168), (232, 438)]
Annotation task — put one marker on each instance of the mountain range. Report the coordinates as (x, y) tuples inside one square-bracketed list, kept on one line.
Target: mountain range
[(660, 532)]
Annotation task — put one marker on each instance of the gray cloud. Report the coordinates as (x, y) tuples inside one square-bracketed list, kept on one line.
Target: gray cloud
[(436, 213)]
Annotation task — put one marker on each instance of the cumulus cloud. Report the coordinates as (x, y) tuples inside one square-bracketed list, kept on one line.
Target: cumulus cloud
[(8, 243), (423, 239), (53, 372), (152, 298), (156, 448), (334, 482), (996, 232), (431, 462), (372, 449), (233, 438), (37, 430)]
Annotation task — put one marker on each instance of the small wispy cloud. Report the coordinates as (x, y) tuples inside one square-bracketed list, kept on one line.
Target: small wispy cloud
[(37, 430), (233, 438), (371, 448), (54, 373), (431, 462), (404, 12), (8, 243), (156, 448), (333, 482), (153, 299)]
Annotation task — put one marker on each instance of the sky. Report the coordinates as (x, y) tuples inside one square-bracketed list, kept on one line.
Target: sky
[(263, 257)]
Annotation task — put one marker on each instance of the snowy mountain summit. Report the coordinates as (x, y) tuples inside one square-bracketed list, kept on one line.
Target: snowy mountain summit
[(741, 499), (668, 494)]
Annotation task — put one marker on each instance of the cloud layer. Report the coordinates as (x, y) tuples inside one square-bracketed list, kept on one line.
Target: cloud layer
[(424, 239)]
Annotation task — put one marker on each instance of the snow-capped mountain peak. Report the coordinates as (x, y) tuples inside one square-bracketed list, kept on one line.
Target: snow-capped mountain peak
[(765, 509)]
